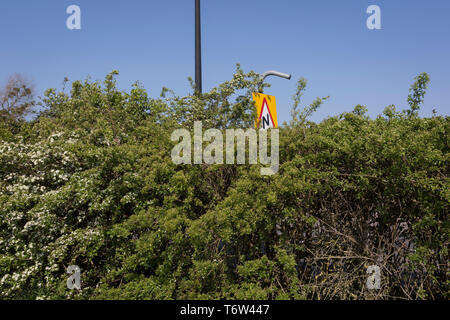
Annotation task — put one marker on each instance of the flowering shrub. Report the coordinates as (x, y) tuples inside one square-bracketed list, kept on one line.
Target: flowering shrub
[(90, 182)]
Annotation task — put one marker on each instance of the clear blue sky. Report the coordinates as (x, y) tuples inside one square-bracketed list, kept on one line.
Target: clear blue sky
[(325, 41)]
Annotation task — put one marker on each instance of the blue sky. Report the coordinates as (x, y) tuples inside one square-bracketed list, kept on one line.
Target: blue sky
[(325, 41)]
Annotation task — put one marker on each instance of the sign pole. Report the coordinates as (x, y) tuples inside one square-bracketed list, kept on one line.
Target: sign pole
[(273, 73)]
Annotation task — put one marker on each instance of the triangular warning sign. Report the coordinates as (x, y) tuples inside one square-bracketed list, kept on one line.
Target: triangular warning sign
[(265, 120), (266, 111)]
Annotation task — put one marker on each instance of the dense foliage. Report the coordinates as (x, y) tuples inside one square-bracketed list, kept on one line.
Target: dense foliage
[(90, 182)]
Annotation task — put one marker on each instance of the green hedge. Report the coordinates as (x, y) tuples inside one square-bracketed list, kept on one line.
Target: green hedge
[(90, 182)]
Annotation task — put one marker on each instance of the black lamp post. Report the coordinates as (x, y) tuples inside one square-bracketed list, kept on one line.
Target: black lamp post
[(198, 49)]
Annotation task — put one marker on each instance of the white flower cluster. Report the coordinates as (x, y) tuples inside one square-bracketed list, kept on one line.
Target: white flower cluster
[(34, 179)]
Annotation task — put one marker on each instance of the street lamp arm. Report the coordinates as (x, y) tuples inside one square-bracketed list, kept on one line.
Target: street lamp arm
[(275, 73)]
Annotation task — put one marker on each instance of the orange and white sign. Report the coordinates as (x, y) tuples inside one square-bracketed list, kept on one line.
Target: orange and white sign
[(266, 108)]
